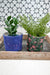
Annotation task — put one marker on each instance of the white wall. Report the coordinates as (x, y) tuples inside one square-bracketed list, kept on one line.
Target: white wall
[(24, 67)]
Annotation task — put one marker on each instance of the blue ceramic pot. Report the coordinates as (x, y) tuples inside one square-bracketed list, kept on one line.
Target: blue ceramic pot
[(13, 43)]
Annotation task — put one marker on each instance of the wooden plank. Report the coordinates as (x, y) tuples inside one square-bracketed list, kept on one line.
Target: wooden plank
[(25, 37), (48, 39), (25, 55), (1, 41)]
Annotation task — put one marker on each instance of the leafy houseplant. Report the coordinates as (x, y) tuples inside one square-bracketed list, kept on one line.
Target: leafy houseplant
[(11, 25), (12, 41), (36, 31)]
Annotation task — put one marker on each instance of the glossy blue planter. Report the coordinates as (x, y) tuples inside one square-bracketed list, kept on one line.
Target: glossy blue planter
[(13, 43)]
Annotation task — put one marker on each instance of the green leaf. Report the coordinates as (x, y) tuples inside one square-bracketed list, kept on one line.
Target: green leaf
[(8, 18), (6, 22), (13, 27), (45, 19), (11, 21), (14, 32), (8, 30), (15, 21)]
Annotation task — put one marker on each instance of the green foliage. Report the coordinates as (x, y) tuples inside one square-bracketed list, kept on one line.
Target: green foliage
[(37, 28), (11, 25)]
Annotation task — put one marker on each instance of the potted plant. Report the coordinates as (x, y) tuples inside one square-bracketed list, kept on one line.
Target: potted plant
[(12, 40), (36, 31)]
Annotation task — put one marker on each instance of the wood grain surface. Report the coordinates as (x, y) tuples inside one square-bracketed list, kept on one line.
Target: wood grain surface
[(1, 39), (48, 39), (25, 55)]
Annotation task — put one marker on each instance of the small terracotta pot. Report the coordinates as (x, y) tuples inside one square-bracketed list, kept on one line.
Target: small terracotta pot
[(34, 43)]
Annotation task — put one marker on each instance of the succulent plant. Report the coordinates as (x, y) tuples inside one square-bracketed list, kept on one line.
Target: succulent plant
[(36, 28), (11, 25)]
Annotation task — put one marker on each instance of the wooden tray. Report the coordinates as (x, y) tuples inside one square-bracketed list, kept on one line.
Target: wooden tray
[(23, 55)]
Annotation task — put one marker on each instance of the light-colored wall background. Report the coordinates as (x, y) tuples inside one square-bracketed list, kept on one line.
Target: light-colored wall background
[(24, 67)]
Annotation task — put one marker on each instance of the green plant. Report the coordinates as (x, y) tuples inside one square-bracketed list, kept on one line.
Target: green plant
[(37, 28), (11, 25)]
